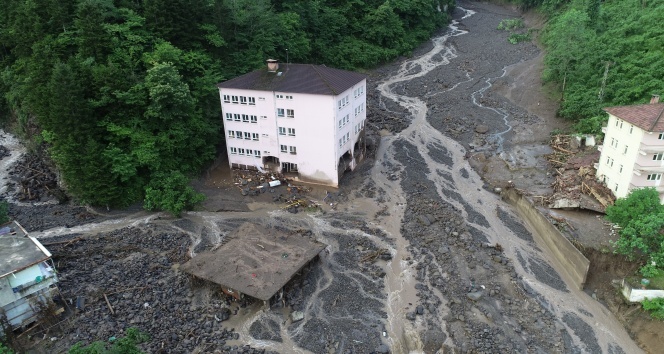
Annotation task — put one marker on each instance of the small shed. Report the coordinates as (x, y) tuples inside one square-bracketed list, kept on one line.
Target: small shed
[(27, 276), (255, 261)]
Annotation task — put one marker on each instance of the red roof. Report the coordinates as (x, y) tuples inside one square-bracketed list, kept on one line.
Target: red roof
[(649, 117)]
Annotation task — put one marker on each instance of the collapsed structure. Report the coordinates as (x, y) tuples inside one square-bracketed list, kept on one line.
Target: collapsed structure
[(27, 276), (255, 261), (303, 120)]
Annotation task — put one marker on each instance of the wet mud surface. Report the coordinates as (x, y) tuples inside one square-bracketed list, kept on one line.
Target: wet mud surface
[(422, 254)]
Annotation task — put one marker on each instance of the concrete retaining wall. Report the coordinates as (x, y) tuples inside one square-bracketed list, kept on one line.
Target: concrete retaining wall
[(572, 260), (638, 295)]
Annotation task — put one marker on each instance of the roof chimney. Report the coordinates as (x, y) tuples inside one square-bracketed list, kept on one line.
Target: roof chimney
[(654, 99), (272, 65)]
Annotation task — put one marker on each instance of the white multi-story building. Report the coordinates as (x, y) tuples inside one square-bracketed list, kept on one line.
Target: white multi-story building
[(632, 155), (306, 121)]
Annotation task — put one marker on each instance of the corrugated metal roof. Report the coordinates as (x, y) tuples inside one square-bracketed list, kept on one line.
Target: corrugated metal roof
[(649, 117), (297, 78)]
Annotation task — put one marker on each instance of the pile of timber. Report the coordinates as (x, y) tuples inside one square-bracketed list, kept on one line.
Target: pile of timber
[(576, 185)]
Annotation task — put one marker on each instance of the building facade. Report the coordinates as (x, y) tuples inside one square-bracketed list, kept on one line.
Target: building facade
[(27, 277), (632, 155), (306, 121)]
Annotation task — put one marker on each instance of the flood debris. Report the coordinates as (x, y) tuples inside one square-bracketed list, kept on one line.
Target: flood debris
[(575, 185)]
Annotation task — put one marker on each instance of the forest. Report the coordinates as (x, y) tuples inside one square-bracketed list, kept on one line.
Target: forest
[(602, 54), (122, 93)]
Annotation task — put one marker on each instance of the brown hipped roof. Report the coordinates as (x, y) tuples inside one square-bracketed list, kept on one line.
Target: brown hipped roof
[(255, 261), (297, 78), (649, 117)]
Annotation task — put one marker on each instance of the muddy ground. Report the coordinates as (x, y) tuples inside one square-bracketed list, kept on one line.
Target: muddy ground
[(422, 254)]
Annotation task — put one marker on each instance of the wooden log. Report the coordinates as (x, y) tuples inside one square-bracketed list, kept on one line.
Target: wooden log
[(109, 305)]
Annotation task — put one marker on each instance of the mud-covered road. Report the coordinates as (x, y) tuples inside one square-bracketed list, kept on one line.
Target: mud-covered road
[(457, 269)]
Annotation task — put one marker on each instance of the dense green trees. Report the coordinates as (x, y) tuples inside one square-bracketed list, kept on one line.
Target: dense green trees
[(603, 54), (641, 219), (123, 92)]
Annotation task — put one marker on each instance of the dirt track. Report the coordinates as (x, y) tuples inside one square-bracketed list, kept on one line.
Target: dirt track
[(446, 283)]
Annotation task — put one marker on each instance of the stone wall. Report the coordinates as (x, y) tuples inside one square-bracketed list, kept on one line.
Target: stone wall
[(547, 235)]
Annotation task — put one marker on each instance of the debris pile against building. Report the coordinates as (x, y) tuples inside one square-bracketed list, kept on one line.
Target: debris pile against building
[(27, 277), (576, 185), (294, 197), (255, 261)]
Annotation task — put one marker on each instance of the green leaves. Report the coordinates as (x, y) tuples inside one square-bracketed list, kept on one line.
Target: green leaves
[(171, 192), (641, 218)]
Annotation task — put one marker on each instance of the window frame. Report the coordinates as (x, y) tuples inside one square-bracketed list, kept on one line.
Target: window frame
[(291, 131), (290, 113), (283, 148), (281, 112), (282, 130)]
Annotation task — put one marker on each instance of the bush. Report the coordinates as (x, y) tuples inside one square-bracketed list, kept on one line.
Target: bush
[(655, 307)]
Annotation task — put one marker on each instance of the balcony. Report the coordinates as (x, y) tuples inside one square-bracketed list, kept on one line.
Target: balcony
[(659, 188), (647, 169), (645, 149)]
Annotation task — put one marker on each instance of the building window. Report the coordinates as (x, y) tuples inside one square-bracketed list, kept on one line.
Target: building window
[(292, 150), (609, 161), (658, 157), (291, 131), (631, 129), (621, 168), (245, 118), (358, 91), (280, 97), (231, 134), (254, 119), (614, 142), (289, 97), (243, 100), (284, 148), (229, 116), (343, 102), (348, 136), (617, 121), (661, 136), (257, 153), (621, 124), (263, 117), (625, 150), (227, 99), (282, 131), (261, 98), (654, 177), (280, 112), (254, 136), (233, 150), (252, 101), (234, 99), (340, 123), (240, 151), (247, 135), (347, 119), (288, 167), (340, 143), (236, 117), (250, 152), (616, 187), (290, 113), (238, 134)]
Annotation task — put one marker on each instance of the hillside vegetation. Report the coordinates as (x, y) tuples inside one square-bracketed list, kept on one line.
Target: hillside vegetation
[(123, 92), (603, 53)]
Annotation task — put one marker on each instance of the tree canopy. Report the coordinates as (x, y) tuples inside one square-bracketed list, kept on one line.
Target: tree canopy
[(123, 92), (641, 219), (602, 54)]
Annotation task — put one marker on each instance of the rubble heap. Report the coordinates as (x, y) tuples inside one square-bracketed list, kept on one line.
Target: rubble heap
[(576, 185)]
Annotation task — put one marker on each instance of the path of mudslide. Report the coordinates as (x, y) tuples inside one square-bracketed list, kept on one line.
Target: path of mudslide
[(441, 281)]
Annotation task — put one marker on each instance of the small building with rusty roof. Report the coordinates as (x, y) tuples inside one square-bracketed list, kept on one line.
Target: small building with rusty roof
[(255, 261), (27, 276), (305, 121)]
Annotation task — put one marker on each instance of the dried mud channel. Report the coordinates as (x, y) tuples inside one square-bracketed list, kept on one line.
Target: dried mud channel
[(422, 256)]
